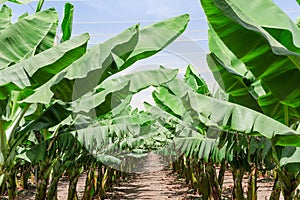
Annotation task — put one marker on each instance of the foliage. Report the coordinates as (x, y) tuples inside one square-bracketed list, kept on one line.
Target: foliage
[(41, 86), (255, 59)]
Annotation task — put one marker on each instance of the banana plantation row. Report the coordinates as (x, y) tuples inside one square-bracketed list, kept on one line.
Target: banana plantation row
[(62, 113)]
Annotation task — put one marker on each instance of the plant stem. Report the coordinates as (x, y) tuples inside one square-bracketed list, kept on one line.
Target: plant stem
[(275, 195), (74, 175), (12, 186), (2, 137), (43, 178), (252, 184), (221, 173), (213, 179), (238, 192)]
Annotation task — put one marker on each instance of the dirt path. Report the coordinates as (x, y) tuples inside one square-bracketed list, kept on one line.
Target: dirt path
[(152, 182)]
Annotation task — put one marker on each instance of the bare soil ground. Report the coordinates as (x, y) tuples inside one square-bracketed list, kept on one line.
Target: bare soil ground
[(153, 181), (161, 183)]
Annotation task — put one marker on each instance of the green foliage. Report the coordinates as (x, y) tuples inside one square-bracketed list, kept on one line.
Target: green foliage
[(39, 6), (42, 82), (255, 59), (66, 25)]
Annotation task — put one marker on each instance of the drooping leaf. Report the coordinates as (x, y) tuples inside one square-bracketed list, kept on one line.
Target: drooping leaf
[(230, 116), (110, 57), (268, 44), (128, 84), (168, 102), (290, 158), (20, 40), (36, 70), (197, 83), (187, 140), (232, 83), (156, 37), (231, 74)]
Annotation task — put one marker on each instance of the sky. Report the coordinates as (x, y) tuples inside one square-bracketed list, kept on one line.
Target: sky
[(104, 18)]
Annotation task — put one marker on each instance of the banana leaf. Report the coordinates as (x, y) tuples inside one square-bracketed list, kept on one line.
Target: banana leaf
[(5, 17), (108, 58), (268, 43), (36, 70), (20, 40), (67, 22), (195, 81), (125, 85)]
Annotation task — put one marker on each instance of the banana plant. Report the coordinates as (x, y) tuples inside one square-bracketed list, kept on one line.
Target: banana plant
[(39, 83), (14, 78), (228, 119), (189, 136), (256, 62)]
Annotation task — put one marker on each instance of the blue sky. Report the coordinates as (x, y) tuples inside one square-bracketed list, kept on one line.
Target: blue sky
[(105, 18)]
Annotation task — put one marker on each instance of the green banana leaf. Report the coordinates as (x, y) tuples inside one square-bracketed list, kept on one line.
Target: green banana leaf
[(20, 40), (108, 58), (229, 116), (23, 16), (128, 84), (16, 1), (52, 116), (66, 25), (88, 68), (188, 139), (231, 74), (267, 42), (36, 70), (56, 113), (5, 17), (156, 37), (195, 81), (39, 6), (49, 40), (39, 152), (171, 102), (232, 117), (168, 102)]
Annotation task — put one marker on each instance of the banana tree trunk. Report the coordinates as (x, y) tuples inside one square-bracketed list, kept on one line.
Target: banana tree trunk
[(213, 179), (289, 183), (275, 195), (43, 179), (252, 184), (237, 192), (74, 175), (223, 168), (89, 184), (24, 176), (52, 192), (100, 193), (12, 185)]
